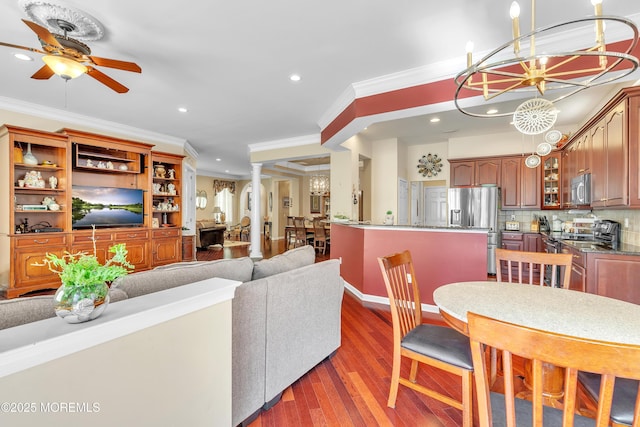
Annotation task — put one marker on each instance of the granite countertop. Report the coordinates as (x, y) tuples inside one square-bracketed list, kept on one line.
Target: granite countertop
[(396, 227), (593, 247)]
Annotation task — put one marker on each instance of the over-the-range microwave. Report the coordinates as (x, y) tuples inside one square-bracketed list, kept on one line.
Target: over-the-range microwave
[(581, 190)]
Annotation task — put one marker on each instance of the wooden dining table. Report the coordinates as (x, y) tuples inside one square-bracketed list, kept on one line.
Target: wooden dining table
[(561, 311)]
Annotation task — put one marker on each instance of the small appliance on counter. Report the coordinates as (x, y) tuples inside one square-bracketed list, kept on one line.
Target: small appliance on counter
[(607, 233), (512, 225)]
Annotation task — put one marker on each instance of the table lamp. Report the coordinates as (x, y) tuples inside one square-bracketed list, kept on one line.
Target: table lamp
[(216, 213)]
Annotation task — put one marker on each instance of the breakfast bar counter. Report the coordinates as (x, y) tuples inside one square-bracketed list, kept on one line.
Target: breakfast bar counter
[(440, 255)]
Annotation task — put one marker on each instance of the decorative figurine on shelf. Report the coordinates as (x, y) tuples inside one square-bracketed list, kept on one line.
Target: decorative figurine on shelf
[(53, 182), (28, 158), (109, 165), (172, 174), (160, 171), (172, 189), (156, 188), (123, 167), (102, 165), (90, 163)]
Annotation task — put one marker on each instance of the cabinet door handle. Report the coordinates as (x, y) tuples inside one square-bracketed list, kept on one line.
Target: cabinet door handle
[(41, 242)]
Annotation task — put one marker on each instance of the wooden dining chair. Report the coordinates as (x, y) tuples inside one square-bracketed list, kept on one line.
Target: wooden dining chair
[(536, 268), (301, 237), (438, 346), (610, 360), (320, 235)]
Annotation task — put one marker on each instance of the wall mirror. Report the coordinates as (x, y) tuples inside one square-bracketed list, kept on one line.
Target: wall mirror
[(201, 199)]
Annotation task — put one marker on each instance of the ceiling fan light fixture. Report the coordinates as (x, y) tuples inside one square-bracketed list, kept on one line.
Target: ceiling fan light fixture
[(64, 67)]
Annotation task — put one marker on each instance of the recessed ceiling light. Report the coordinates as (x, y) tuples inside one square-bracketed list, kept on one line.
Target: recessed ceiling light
[(492, 111), (182, 109), (23, 57), (226, 171), (218, 160), (295, 77), (435, 120)]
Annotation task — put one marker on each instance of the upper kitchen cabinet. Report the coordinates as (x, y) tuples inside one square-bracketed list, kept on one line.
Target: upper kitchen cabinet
[(551, 181), (634, 151), (609, 153), (467, 173), (520, 184)]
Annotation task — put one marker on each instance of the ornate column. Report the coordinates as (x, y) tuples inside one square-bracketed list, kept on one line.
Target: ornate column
[(256, 252)]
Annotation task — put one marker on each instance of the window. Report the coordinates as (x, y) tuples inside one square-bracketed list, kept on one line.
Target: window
[(224, 199)]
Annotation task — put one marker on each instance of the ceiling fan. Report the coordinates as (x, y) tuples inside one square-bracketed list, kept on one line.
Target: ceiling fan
[(70, 58)]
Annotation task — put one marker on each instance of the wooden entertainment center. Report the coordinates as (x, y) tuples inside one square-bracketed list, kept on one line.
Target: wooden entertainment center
[(39, 216)]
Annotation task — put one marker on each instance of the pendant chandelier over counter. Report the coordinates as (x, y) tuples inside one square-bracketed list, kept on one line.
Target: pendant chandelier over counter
[(522, 66)]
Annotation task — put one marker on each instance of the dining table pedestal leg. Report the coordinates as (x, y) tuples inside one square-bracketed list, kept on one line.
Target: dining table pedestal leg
[(552, 384)]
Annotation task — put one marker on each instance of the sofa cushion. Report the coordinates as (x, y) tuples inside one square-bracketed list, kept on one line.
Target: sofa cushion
[(19, 311), (179, 274), (290, 260)]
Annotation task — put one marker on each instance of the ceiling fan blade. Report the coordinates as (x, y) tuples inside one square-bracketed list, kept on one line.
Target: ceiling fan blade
[(43, 34), (43, 73), (15, 46), (106, 80), (114, 63)]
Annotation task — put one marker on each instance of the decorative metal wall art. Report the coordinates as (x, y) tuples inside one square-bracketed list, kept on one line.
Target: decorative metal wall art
[(429, 165)]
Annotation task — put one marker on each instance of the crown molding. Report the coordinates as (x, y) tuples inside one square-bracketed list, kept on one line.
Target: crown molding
[(68, 118), (190, 150), (297, 141)]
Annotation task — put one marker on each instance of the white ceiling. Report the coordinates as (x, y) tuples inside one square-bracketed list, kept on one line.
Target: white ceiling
[(229, 64)]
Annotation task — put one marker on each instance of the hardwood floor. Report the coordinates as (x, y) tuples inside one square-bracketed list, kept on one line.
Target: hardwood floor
[(352, 387)]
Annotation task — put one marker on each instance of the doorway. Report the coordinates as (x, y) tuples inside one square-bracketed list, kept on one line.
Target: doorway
[(435, 206)]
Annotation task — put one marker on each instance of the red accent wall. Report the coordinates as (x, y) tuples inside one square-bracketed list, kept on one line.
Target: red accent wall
[(427, 94), (439, 257)]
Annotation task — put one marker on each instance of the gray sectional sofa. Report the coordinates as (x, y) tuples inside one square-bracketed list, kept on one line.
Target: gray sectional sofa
[(286, 317)]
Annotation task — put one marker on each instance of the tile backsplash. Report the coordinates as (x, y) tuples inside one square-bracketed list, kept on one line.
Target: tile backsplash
[(629, 235)]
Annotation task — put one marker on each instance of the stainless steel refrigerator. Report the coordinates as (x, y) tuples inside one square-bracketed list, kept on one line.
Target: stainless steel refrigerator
[(477, 207)]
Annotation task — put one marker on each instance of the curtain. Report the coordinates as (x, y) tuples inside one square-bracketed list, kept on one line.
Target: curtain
[(224, 199), (219, 185)]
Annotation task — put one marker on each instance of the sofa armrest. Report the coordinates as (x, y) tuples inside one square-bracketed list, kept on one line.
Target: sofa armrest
[(303, 319)]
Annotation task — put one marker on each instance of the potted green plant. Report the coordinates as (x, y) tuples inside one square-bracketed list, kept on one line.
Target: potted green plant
[(388, 219), (84, 293)]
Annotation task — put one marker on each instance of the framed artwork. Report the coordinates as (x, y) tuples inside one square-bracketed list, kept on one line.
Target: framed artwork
[(315, 204), (270, 202), (249, 200), (155, 223), (286, 202)]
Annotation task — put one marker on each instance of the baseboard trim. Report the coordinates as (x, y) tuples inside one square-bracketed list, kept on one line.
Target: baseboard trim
[(427, 308)]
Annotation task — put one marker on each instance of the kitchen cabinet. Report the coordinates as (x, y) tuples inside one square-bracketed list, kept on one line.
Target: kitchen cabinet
[(614, 276), (609, 147), (578, 280), (468, 173), (568, 171), (520, 184), (513, 241), (533, 242), (520, 241), (551, 181)]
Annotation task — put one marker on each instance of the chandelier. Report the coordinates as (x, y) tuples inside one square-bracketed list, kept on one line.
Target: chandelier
[(319, 185), (517, 66)]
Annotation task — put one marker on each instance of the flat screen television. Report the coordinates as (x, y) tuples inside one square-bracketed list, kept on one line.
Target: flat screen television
[(106, 207)]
